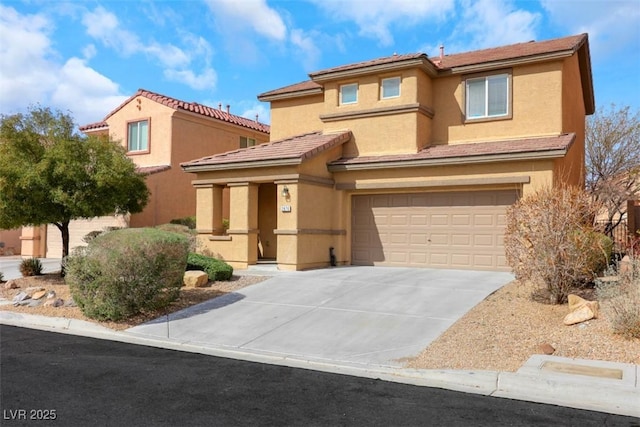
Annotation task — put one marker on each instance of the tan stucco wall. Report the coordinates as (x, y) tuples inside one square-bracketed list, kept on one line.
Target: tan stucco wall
[(34, 241), (570, 170), (292, 117), (537, 107), (10, 240), (175, 137)]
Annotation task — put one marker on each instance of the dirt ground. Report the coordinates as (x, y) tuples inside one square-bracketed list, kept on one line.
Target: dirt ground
[(500, 333)]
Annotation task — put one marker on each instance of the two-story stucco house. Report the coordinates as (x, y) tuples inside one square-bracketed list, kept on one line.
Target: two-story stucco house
[(160, 132), (404, 160)]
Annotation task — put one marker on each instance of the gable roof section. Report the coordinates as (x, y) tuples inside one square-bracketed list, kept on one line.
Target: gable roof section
[(192, 107), (466, 62), (290, 151), (481, 152), (94, 127)]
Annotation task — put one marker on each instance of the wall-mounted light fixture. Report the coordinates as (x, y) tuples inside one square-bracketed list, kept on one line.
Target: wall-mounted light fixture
[(285, 192)]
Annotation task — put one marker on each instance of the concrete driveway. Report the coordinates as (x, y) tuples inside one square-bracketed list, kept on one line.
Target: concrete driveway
[(347, 315)]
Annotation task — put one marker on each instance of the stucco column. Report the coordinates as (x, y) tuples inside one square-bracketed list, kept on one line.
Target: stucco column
[(243, 219), (33, 241), (209, 209)]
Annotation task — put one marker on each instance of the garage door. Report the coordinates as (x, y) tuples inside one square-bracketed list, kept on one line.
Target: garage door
[(442, 230)]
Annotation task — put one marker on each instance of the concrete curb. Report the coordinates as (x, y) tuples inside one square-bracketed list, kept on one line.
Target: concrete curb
[(529, 383)]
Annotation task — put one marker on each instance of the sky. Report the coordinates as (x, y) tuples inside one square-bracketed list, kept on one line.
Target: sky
[(86, 57)]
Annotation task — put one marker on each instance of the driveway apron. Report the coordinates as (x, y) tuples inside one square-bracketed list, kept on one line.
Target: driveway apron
[(348, 315)]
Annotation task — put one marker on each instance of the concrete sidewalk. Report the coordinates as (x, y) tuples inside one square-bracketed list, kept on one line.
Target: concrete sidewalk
[(362, 321)]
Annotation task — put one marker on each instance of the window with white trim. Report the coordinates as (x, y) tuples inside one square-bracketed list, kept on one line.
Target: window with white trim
[(138, 136), (247, 142), (487, 97), (349, 94), (390, 88)]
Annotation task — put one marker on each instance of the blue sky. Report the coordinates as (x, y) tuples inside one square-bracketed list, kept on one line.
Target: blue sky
[(86, 57)]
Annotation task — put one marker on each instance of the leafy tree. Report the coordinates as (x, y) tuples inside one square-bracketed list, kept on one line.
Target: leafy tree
[(50, 174), (613, 159)]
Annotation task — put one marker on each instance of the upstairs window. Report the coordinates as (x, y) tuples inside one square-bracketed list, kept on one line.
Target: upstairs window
[(138, 136), (349, 94), (247, 142), (390, 88), (487, 97)]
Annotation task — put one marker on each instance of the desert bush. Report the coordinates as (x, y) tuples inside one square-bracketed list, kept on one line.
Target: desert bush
[(95, 233), (190, 234), (550, 241), (621, 299), (31, 267), (189, 221), (125, 272), (215, 269)]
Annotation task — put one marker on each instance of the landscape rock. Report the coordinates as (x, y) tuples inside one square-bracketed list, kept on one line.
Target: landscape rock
[(34, 302), (31, 289), (57, 302), (70, 303), (11, 284), (195, 279), (576, 303), (546, 348), (51, 294), (38, 294), (22, 296), (582, 314)]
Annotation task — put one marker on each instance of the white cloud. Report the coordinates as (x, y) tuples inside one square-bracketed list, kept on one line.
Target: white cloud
[(206, 80), (306, 47), (104, 26), (375, 17), (30, 73), (253, 13), (492, 23), (613, 26)]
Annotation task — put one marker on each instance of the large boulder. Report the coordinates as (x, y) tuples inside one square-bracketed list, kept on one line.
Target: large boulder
[(195, 279), (580, 310)]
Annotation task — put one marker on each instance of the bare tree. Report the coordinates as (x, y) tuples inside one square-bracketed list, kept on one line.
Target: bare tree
[(613, 160)]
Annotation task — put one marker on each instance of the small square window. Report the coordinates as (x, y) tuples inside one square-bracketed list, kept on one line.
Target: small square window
[(247, 142), (349, 94), (390, 88), (138, 136)]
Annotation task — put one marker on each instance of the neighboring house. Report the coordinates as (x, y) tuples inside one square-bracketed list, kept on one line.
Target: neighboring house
[(159, 133), (402, 161)]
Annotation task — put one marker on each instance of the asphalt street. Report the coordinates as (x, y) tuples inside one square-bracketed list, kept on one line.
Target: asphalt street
[(57, 379)]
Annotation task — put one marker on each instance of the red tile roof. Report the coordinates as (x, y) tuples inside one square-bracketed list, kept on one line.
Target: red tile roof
[(150, 170), (94, 126), (305, 86), (395, 58), (519, 50), (194, 107), (495, 148), (290, 150)]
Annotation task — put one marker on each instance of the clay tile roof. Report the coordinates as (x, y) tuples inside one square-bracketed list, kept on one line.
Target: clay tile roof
[(94, 126), (519, 50), (287, 151), (535, 146), (379, 61), (150, 170), (303, 87), (194, 107)]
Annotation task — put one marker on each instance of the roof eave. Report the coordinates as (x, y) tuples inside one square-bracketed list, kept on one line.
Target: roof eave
[(472, 68), (289, 95), (240, 165), (422, 63), (445, 161)]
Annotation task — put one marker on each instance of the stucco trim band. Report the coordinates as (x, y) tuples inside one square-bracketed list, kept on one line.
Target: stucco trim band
[(524, 179), (375, 112), (310, 231), (307, 179), (243, 231), (445, 161), (220, 238)]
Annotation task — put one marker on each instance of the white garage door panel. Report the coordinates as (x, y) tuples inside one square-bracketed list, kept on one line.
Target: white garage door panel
[(77, 230), (449, 230)]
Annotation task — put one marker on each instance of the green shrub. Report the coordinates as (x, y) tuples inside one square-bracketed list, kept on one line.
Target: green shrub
[(621, 299), (550, 241), (125, 272), (215, 269), (189, 221), (183, 230), (31, 267)]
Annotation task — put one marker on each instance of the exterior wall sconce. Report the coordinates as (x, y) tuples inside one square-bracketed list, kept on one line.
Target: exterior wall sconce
[(285, 192)]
